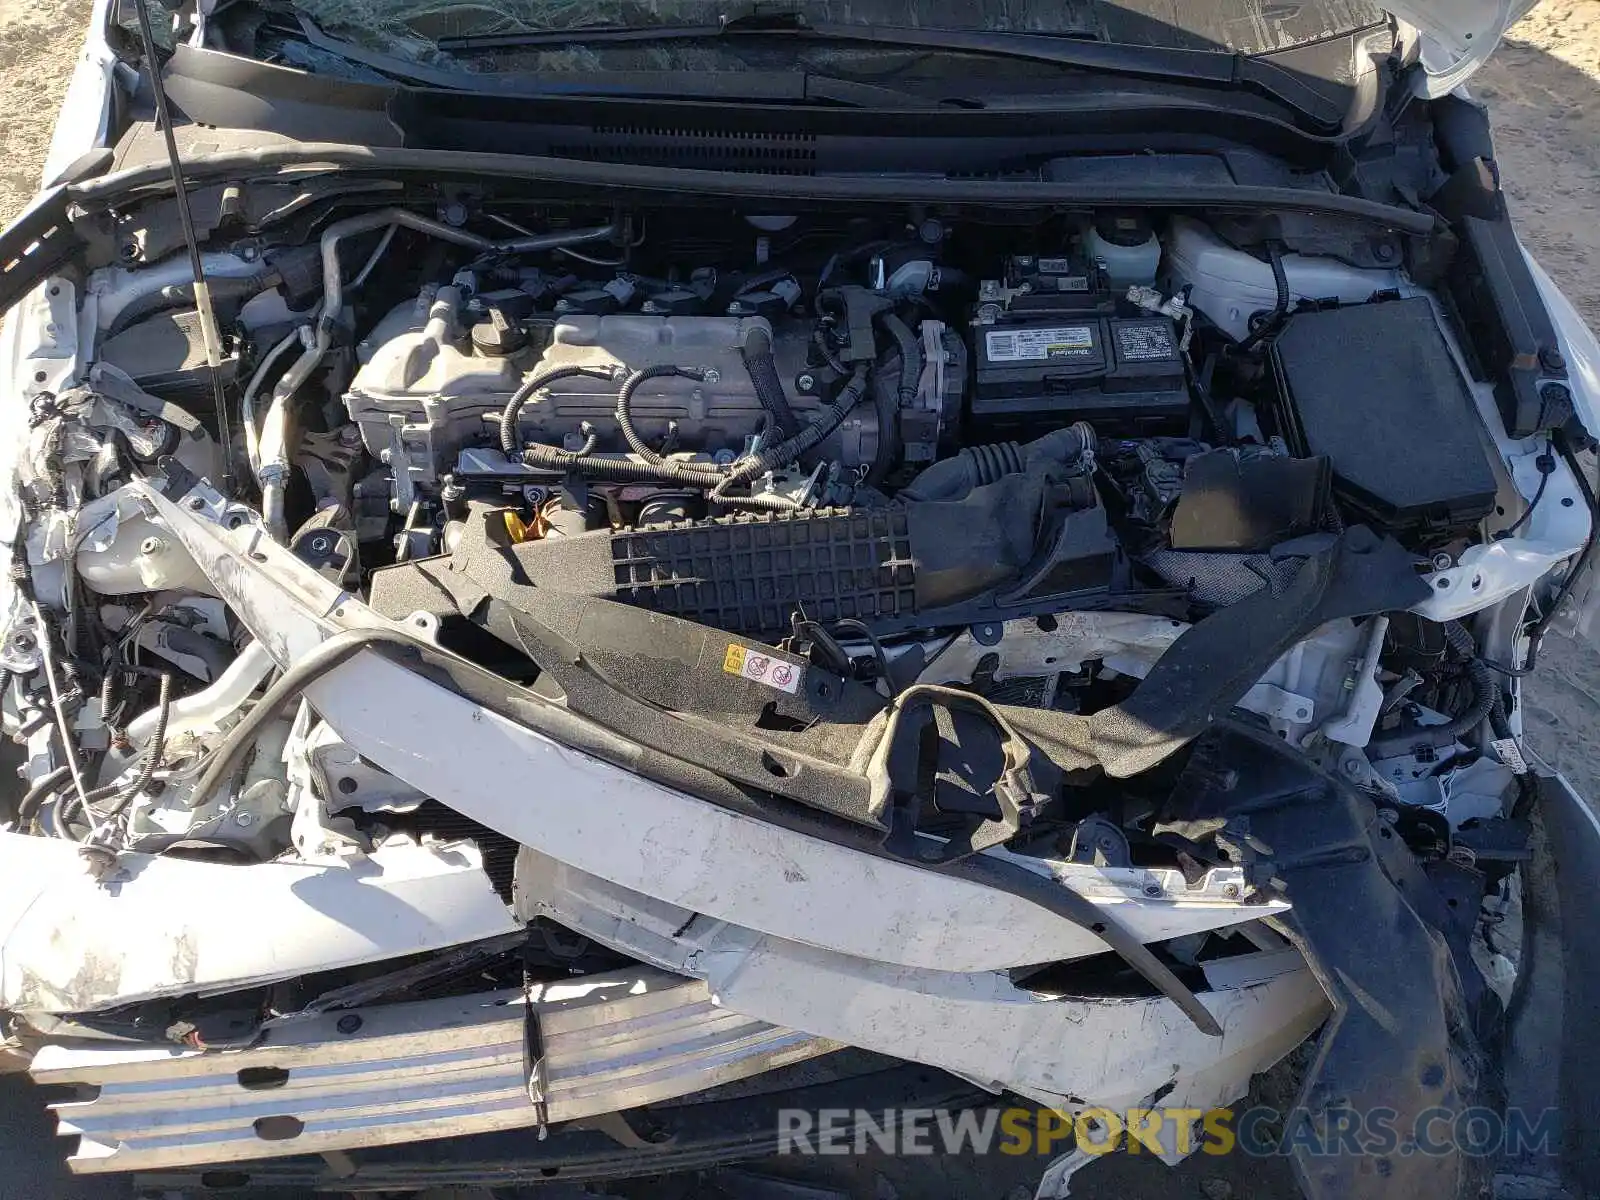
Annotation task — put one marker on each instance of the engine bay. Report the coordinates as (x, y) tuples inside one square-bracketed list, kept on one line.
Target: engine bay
[(899, 448), (801, 369)]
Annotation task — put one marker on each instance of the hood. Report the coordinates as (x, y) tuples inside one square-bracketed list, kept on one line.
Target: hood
[(1457, 35)]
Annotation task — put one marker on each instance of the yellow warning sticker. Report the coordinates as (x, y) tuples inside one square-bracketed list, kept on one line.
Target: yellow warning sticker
[(762, 668)]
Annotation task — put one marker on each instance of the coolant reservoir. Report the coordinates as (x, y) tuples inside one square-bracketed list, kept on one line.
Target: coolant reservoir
[(123, 551), (1229, 285), (1126, 245)]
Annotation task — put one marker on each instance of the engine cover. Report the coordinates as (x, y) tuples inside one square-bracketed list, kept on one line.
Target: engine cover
[(425, 390)]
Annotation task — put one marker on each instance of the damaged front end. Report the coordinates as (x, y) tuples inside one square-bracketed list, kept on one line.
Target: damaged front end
[(634, 672)]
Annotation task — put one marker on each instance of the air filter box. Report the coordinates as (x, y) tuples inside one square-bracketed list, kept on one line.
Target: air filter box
[(1373, 388)]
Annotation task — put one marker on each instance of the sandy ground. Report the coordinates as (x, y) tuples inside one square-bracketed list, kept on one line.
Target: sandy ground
[(39, 41)]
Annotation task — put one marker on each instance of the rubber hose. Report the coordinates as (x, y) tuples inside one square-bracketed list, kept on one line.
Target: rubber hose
[(42, 787), (953, 477), (179, 295), (910, 356), (273, 510), (624, 413), (513, 408), (758, 361)]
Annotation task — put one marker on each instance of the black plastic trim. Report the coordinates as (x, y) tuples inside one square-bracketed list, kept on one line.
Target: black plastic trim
[(38, 242), (621, 179)]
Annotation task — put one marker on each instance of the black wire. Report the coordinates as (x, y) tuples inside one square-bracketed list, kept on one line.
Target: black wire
[(850, 624), (1280, 309), (1587, 553), (124, 793), (1513, 672), (1547, 466), (42, 788), (1579, 567)]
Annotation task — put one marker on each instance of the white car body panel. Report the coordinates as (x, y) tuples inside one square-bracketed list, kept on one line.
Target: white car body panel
[(1459, 36), (1058, 1051), (159, 926), (83, 123), (1580, 615)]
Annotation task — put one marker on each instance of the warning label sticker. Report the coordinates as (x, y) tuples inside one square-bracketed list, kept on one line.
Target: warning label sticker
[(1040, 345), (763, 668), (1141, 343)]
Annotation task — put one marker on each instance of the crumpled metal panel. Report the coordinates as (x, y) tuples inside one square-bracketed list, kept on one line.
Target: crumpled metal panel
[(409, 1072)]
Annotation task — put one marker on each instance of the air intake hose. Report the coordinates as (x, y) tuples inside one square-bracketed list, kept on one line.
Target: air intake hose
[(976, 466)]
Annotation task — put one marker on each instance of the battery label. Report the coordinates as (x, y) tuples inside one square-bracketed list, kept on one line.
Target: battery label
[(1142, 343), (1066, 279), (1040, 345)]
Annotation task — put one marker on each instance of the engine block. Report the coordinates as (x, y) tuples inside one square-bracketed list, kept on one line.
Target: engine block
[(426, 389)]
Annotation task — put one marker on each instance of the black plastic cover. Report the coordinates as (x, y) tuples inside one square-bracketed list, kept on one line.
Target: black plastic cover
[(1233, 502), (938, 562), (1373, 928), (1373, 387), (751, 576), (166, 354), (1495, 293)]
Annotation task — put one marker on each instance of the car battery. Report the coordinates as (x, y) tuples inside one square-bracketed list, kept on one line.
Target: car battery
[(1124, 375)]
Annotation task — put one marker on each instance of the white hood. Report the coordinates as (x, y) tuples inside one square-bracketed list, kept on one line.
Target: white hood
[(1458, 35)]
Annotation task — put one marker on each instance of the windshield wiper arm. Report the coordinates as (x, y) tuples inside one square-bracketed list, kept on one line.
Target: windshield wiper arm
[(1196, 67)]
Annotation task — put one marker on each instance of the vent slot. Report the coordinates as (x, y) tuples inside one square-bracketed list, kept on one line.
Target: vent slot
[(706, 149)]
